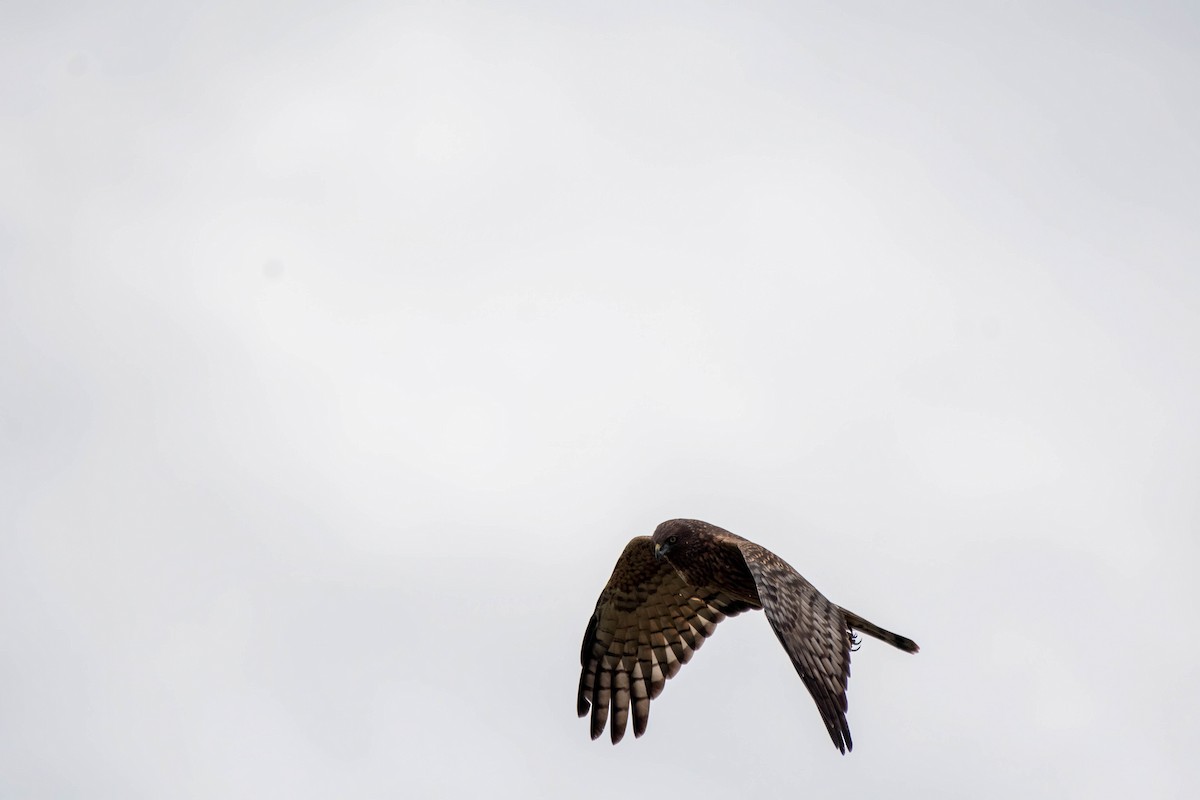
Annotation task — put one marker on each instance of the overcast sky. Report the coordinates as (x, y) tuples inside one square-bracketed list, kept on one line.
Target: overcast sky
[(344, 345)]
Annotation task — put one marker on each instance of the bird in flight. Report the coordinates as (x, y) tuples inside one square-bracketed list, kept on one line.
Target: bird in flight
[(665, 597)]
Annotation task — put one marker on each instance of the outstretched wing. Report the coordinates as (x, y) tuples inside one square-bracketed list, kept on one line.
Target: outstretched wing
[(812, 630), (647, 623)]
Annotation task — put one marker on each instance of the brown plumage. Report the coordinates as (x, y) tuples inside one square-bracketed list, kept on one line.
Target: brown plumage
[(665, 597)]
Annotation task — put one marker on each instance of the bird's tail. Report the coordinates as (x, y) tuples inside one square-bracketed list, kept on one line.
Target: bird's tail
[(855, 622)]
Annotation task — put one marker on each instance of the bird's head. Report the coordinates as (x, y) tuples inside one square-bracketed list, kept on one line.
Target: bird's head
[(671, 538)]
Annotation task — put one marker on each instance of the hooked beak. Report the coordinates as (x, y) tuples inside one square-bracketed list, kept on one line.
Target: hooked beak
[(659, 551)]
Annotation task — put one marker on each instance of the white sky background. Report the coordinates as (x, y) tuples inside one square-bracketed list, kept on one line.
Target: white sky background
[(343, 347)]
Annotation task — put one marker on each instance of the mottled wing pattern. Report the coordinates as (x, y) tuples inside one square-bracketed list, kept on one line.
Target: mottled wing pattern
[(813, 632), (646, 625)]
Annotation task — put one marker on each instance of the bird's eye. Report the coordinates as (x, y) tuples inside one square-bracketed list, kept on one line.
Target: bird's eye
[(673, 540)]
